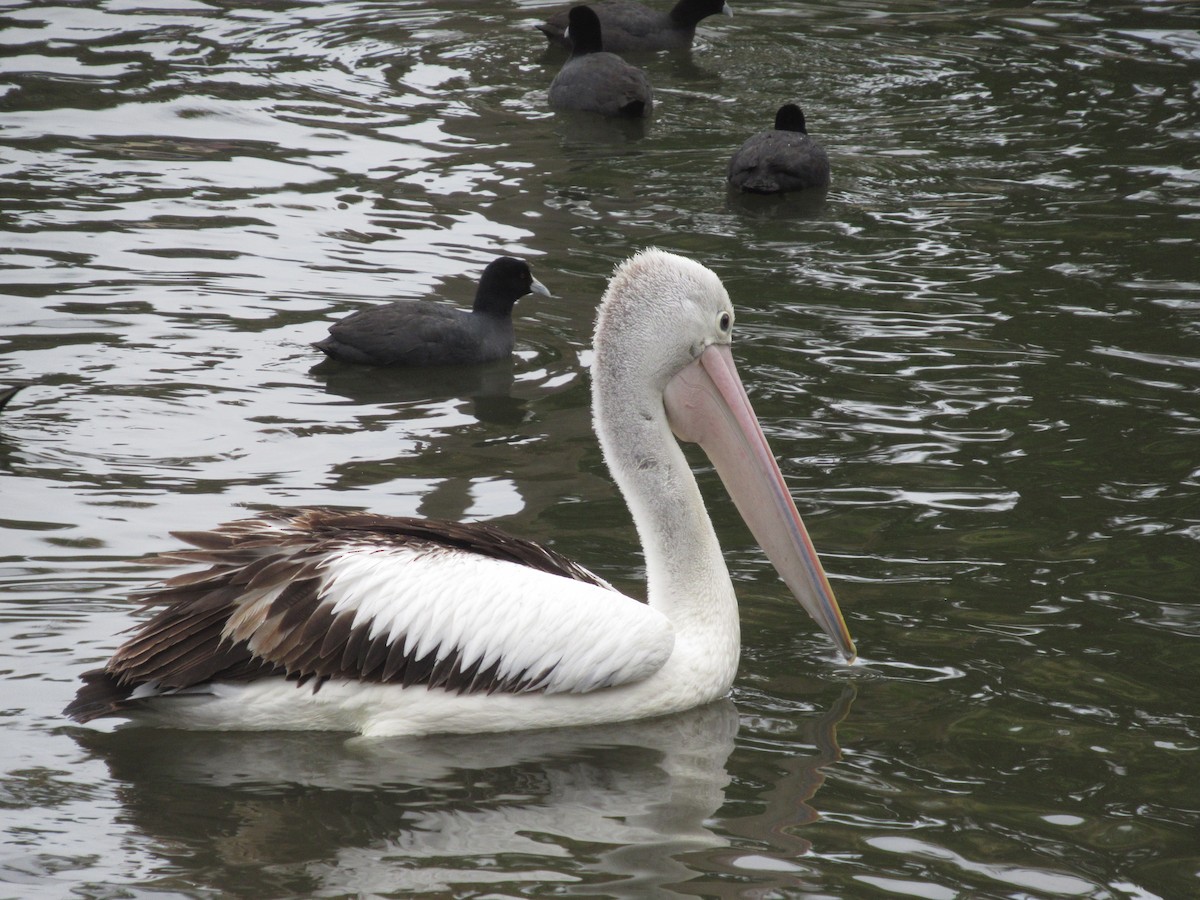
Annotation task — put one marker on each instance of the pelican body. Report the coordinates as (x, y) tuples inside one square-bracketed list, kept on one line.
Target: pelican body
[(320, 619)]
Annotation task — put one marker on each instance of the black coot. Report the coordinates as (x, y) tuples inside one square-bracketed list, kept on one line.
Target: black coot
[(595, 81), (783, 159), (425, 333), (633, 26)]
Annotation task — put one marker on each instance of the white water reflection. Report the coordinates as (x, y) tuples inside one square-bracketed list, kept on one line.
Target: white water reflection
[(321, 814)]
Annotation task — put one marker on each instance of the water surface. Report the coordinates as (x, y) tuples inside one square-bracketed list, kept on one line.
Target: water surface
[(977, 358)]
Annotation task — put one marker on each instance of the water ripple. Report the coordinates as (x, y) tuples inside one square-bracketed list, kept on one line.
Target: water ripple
[(976, 358)]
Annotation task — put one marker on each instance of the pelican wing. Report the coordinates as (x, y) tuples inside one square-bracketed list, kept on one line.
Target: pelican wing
[(317, 594)]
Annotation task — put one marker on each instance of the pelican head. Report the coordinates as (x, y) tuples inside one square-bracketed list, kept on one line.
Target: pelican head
[(665, 328)]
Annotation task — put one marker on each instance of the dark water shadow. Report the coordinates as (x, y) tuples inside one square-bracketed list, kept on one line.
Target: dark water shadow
[(578, 130), (682, 66), (807, 204), (553, 55), (487, 387), (774, 833), (9, 391), (677, 64), (787, 801), (302, 814), (6, 449)]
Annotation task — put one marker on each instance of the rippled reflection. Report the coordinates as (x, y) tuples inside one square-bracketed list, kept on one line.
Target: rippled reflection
[(976, 356), (321, 814)]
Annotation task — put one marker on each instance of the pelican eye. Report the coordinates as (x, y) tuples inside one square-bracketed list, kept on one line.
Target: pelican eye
[(724, 322)]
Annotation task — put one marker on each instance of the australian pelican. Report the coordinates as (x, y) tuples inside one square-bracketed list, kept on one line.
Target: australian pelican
[(318, 619)]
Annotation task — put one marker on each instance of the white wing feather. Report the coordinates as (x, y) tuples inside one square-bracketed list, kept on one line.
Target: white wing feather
[(584, 636)]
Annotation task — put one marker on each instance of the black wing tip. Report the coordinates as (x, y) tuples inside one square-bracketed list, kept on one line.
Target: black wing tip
[(100, 696)]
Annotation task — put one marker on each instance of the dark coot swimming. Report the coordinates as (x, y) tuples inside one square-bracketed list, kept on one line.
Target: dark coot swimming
[(632, 26), (425, 333), (783, 159), (595, 81)]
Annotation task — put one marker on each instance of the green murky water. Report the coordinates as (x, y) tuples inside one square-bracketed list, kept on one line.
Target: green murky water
[(978, 360)]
